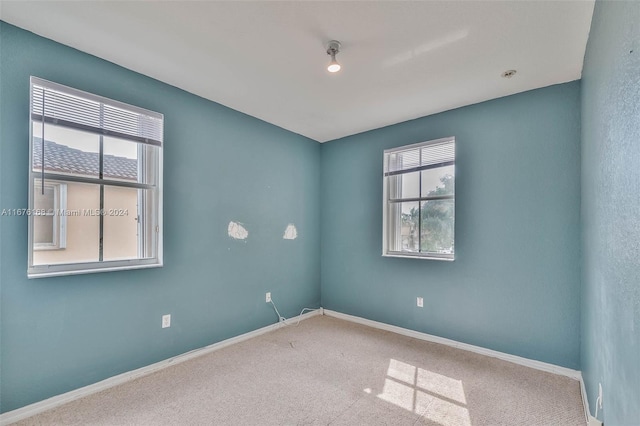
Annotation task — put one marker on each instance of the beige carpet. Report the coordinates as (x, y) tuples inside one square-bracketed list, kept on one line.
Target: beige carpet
[(329, 371)]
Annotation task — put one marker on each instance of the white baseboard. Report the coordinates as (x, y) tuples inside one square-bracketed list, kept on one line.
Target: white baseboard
[(538, 365), (58, 400)]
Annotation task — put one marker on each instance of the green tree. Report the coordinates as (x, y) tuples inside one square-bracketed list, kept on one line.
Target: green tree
[(436, 220), (436, 233)]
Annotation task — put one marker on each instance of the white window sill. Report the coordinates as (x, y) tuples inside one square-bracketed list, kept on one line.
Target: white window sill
[(418, 256), (59, 270)]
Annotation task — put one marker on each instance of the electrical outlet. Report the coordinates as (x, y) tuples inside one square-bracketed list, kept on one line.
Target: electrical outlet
[(420, 302), (166, 321), (268, 297)]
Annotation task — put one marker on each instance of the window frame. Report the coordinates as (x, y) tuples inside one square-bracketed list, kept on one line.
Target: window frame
[(156, 191), (387, 229)]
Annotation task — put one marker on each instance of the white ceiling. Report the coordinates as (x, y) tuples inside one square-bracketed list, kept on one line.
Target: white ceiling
[(401, 60)]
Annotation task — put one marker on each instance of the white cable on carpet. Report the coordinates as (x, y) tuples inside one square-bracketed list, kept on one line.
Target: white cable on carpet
[(284, 320)]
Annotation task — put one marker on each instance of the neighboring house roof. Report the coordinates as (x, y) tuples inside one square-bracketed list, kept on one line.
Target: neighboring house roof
[(61, 158)]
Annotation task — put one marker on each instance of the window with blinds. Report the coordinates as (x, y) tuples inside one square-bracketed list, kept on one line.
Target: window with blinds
[(95, 183), (419, 200)]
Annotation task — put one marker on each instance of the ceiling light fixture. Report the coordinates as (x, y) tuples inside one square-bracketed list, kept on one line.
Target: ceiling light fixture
[(333, 49)]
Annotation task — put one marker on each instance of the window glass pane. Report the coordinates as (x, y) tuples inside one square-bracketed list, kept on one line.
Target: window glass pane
[(121, 228), (67, 151), (437, 226), (406, 185), (403, 224), (409, 226), (80, 223), (130, 161), (120, 160), (438, 181)]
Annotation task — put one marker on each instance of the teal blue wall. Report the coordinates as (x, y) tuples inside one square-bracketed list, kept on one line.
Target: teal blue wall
[(220, 165), (522, 175), (610, 351), (515, 283)]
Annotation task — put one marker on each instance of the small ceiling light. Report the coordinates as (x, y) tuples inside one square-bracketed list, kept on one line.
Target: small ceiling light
[(333, 49), (509, 73)]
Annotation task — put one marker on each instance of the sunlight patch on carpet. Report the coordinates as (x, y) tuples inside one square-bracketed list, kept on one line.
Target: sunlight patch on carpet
[(437, 397)]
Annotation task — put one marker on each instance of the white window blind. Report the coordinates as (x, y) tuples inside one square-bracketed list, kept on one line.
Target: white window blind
[(417, 158), (69, 107)]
